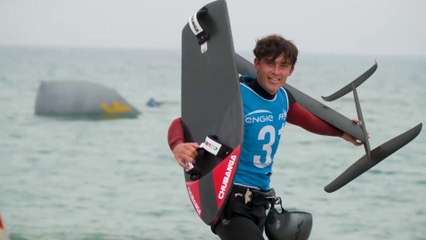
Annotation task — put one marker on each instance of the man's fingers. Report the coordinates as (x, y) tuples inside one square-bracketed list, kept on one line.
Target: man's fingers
[(185, 153), (182, 164)]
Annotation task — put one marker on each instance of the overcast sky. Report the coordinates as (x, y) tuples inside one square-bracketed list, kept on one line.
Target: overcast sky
[(327, 26)]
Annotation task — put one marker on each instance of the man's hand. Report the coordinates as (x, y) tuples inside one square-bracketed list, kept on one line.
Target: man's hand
[(351, 139), (185, 152)]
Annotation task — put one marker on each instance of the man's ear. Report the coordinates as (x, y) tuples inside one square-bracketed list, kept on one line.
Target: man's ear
[(292, 70), (256, 63)]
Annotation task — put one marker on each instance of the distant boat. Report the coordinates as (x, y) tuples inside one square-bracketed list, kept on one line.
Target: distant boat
[(80, 98), (153, 103)]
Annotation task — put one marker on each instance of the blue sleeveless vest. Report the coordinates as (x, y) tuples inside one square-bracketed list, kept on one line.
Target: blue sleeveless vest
[(264, 121)]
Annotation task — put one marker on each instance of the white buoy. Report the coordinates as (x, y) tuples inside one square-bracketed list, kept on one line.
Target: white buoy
[(3, 233)]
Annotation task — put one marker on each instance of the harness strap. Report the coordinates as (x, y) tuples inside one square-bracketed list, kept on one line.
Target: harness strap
[(250, 196)]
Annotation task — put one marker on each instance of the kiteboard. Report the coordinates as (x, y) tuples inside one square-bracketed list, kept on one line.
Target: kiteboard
[(211, 108)]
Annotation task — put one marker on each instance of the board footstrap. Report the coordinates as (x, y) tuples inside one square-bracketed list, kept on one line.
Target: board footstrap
[(196, 28)]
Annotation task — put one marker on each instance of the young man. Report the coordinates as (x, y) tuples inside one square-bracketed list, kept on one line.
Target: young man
[(275, 59)]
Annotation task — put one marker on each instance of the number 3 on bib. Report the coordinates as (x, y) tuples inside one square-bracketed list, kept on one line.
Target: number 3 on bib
[(267, 147)]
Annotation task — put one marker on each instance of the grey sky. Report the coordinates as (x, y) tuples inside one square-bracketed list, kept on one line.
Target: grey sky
[(336, 26)]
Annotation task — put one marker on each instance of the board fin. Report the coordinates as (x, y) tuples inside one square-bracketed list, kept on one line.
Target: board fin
[(377, 155), (371, 157), (348, 88)]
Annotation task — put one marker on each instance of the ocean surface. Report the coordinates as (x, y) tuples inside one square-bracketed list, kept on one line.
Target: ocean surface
[(82, 179)]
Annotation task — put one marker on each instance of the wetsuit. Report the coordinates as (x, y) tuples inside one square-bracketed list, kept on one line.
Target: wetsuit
[(265, 116)]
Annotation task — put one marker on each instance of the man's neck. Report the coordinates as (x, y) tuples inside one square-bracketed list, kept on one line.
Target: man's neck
[(255, 86)]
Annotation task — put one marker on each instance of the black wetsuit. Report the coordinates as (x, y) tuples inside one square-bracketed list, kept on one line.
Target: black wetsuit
[(244, 218), (241, 219)]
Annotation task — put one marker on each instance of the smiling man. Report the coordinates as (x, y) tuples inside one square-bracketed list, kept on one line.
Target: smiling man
[(267, 107)]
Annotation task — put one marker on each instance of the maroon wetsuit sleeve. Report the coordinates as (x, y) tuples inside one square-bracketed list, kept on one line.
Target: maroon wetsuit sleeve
[(175, 134), (299, 116)]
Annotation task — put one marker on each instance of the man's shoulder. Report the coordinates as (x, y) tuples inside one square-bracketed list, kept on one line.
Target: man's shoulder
[(289, 96)]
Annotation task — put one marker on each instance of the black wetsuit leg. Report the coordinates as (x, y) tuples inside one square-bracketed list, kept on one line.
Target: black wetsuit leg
[(246, 222)]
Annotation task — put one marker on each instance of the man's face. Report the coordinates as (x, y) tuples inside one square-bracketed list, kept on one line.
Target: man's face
[(272, 73)]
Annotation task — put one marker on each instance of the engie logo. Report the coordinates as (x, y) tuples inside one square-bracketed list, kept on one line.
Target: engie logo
[(259, 116)]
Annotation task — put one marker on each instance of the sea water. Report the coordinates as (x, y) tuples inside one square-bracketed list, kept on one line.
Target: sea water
[(117, 179)]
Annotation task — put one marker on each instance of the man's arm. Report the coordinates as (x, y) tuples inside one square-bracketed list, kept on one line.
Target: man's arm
[(299, 116), (175, 134), (183, 152)]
